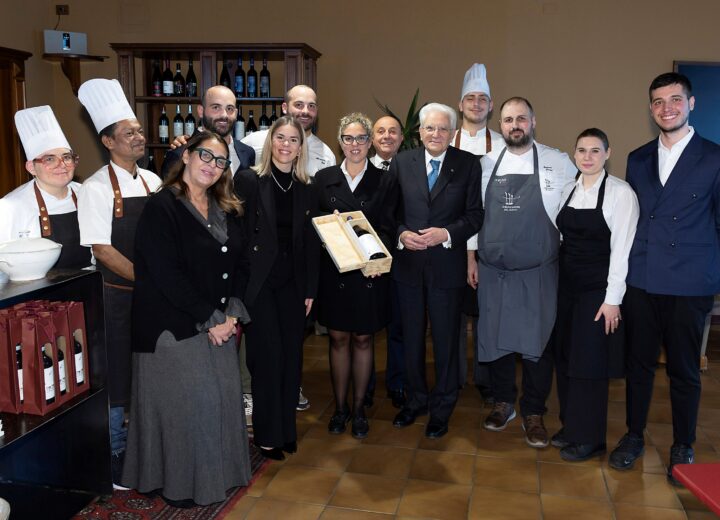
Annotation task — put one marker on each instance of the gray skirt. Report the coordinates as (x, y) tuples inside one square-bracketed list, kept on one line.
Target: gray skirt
[(187, 433)]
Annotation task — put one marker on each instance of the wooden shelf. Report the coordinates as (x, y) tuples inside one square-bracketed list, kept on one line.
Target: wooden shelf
[(70, 64)]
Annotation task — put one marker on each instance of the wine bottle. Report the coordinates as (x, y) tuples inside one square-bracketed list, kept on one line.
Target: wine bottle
[(191, 81), (164, 127), (225, 76), (168, 85), (252, 79), (178, 122), (274, 116), (151, 164), (239, 131), (62, 375), (264, 80), (79, 367), (251, 126), (156, 81), (239, 80), (189, 122), (48, 377), (18, 364), (369, 243), (264, 120), (178, 82)]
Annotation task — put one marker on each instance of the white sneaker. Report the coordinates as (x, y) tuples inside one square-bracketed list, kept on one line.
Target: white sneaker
[(303, 403)]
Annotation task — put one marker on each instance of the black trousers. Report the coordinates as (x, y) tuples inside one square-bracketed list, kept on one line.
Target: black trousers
[(443, 308), (677, 322), (583, 408), (274, 353)]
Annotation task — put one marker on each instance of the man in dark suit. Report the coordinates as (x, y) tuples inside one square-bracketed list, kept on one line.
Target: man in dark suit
[(674, 267), (218, 113), (439, 208)]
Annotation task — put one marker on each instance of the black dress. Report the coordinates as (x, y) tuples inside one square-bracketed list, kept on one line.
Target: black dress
[(349, 301)]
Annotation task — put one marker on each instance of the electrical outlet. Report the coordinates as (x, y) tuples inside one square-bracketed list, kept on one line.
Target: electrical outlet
[(62, 9)]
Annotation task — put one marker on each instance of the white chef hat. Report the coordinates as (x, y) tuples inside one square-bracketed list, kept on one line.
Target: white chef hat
[(39, 131), (105, 101), (475, 81)]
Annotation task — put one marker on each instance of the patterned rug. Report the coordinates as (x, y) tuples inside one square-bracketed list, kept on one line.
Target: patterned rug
[(131, 505)]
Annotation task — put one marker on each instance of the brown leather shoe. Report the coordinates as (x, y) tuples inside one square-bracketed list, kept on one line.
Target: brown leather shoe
[(535, 433), (500, 416)]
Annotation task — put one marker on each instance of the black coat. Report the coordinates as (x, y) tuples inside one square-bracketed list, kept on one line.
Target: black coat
[(350, 301), (180, 271), (245, 153), (258, 196)]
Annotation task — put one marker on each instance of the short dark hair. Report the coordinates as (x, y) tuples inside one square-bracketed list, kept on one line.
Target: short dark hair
[(594, 132), (518, 99), (671, 78), (108, 131)]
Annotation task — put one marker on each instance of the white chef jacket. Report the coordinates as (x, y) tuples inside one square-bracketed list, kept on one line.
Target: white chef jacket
[(95, 201), (556, 170), (19, 210), (620, 210), (477, 144), (319, 155)]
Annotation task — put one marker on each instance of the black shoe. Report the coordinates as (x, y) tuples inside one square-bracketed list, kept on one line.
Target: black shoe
[(558, 440), (406, 417), (575, 452), (679, 454), (271, 453), (338, 421), (397, 397), (360, 427), (290, 447), (435, 429), (369, 400), (186, 503), (627, 451)]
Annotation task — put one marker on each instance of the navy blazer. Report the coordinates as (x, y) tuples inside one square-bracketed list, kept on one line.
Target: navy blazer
[(676, 250), (245, 153), (455, 203)]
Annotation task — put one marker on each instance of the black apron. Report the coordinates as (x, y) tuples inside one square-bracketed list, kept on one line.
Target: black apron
[(584, 265), (517, 267), (118, 293), (64, 230)]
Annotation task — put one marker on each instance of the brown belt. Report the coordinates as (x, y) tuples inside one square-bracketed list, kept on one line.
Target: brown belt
[(121, 287)]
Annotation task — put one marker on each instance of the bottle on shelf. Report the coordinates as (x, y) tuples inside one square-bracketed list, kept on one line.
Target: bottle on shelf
[(156, 81), (18, 365), (191, 81), (369, 243), (252, 79), (239, 79), (178, 82), (48, 377), (251, 126), (274, 116), (62, 375), (239, 130), (164, 127), (151, 167), (168, 84), (190, 122), (264, 119), (225, 76), (78, 351), (264, 80), (178, 122)]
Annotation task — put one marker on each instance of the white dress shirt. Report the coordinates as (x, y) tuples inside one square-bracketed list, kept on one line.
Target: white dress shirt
[(621, 211), (319, 155), (377, 161), (668, 157), (19, 210), (477, 144), (353, 183), (95, 201)]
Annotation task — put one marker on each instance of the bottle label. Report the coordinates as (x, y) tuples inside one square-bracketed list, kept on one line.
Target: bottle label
[(239, 131), (191, 89), (189, 128), (49, 383), (61, 373), (20, 384), (157, 88), (79, 369), (370, 244), (252, 87), (264, 86), (168, 88), (164, 132), (179, 88), (239, 86), (264, 127), (177, 129)]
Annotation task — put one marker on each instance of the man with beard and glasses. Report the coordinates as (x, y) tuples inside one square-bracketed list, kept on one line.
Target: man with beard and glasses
[(518, 249), (674, 268)]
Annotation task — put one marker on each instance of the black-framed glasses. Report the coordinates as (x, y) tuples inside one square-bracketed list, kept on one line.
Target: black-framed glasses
[(207, 156), (350, 139), (53, 161)]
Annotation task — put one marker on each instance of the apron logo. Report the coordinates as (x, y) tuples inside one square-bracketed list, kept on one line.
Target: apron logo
[(548, 185), (501, 180), (511, 202)]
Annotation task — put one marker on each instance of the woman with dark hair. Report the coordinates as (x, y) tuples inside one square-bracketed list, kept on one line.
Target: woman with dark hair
[(352, 306), (188, 437), (283, 255), (597, 222)]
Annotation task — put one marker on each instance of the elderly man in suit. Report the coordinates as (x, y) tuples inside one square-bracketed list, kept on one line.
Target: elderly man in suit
[(439, 208), (674, 267)]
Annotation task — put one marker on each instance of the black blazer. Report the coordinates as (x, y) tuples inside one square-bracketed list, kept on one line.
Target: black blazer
[(258, 196), (245, 153), (179, 271), (455, 203)]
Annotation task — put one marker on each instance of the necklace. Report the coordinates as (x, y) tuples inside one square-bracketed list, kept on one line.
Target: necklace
[(284, 190)]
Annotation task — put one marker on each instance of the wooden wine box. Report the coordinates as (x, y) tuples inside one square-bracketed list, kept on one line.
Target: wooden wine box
[(343, 245)]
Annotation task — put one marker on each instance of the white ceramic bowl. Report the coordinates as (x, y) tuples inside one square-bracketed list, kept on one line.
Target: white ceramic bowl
[(28, 258)]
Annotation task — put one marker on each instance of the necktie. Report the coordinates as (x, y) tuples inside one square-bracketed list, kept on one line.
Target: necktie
[(385, 165), (432, 178)]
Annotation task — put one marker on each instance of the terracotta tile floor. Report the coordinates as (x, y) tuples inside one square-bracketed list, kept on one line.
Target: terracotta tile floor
[(472, 473)]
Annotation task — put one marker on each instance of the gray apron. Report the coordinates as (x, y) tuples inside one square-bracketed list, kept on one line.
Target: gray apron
[(517, 267)]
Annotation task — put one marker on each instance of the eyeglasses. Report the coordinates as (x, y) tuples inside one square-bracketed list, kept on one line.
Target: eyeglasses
[(350, 139), (280, 138), (207, 156), (53, 161), (439, 129)]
